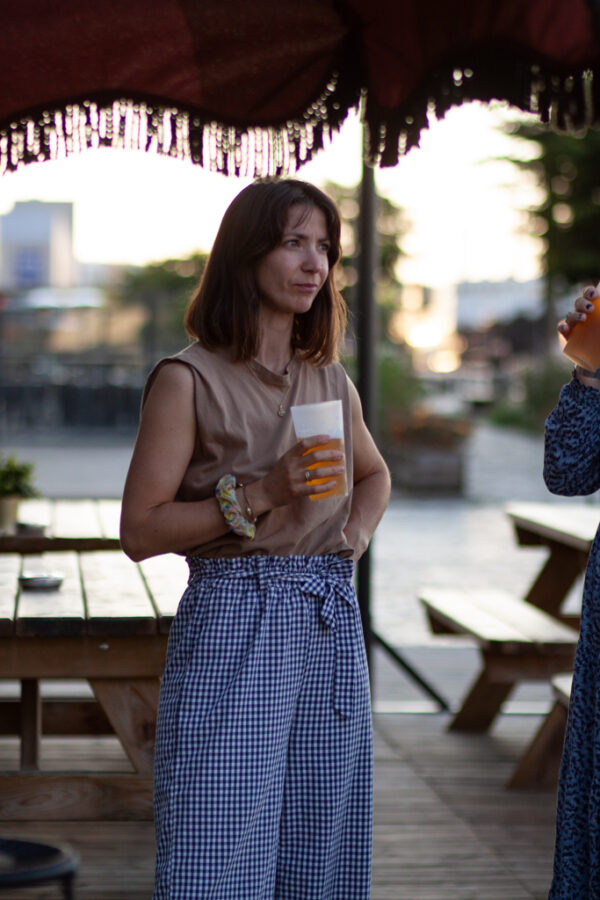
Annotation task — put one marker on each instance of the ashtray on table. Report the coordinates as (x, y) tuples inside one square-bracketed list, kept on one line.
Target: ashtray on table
[(41, 581), (33, 528)]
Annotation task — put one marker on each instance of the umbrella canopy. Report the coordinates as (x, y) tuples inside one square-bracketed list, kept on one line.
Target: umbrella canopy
[(251, 88)]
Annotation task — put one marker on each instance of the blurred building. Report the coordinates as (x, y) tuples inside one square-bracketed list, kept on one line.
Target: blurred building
[(36, 246), (483, 303), (36, 251)]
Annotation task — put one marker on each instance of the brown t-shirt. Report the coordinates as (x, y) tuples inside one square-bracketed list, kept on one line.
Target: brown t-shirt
[(239, 431)]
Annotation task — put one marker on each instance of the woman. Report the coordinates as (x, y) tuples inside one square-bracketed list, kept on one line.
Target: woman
[(263, 746), (572, 466)]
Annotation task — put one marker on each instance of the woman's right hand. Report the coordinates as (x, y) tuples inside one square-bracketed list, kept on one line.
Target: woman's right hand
[(287, 481), (582, 306)]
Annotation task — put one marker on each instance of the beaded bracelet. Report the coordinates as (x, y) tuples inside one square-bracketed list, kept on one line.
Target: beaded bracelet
[(248, 511), (231, 509)]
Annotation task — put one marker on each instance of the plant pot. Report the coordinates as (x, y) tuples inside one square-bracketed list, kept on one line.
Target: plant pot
[(426, 470), (9, 510)]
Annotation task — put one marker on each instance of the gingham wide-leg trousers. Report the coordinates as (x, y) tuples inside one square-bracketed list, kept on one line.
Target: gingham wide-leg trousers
[(263, 773)]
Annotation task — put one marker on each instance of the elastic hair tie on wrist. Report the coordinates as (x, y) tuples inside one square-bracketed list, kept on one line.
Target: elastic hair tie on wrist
[(231, 508)]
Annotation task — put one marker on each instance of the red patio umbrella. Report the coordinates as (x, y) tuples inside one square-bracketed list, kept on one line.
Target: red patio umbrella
[(252, 87)]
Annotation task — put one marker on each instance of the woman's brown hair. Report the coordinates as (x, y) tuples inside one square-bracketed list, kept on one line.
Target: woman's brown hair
[(224, 309)]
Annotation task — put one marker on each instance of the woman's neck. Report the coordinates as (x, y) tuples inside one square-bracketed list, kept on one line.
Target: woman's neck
[(275, 350)]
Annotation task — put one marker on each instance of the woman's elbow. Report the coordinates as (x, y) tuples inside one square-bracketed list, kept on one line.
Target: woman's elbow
[(132, 543), (132, 550), (379, 480), (568, 483)]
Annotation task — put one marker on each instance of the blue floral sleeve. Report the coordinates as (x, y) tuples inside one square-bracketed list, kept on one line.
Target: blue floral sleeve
[(572, 441)]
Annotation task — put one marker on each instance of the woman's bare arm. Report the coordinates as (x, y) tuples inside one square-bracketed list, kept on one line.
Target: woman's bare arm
[(372, 483), (151, 521)]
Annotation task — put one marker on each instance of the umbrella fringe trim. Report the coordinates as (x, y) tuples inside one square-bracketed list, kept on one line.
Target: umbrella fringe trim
[(150, 126), (569, 103)]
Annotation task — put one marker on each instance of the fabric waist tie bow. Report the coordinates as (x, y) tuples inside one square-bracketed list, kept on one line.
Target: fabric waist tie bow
[(329, 580), (332, 591)]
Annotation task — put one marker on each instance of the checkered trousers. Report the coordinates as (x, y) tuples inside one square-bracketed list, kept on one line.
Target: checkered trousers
[(263, 774)]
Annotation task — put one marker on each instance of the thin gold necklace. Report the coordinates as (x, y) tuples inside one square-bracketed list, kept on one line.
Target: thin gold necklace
[(282, 408)]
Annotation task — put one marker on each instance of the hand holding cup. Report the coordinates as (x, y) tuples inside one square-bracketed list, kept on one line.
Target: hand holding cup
[(581, 328), (321, 418)]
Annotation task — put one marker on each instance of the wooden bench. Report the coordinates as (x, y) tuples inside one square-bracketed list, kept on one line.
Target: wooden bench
[(539, 766), (517, 642)]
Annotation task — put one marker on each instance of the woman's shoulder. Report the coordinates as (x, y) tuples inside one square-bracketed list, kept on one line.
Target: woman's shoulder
[(203, 364), (332, 372), (327, 382), (200, 357)]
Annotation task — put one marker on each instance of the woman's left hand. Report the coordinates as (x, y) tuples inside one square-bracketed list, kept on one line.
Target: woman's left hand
[(289, 479), (582, 306)]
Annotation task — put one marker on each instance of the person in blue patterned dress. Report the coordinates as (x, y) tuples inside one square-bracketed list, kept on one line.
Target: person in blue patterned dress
[(263, 753), (572, 467)]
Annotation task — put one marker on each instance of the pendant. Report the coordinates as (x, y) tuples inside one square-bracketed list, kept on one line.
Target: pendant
[(281, 411)]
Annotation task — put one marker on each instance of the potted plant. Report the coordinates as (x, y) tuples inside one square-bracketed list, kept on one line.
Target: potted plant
[(16, 483)]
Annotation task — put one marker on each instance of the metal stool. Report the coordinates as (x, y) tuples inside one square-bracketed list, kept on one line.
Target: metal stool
[(25, 863)]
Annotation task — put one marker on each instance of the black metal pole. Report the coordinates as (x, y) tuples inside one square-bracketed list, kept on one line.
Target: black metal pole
[(366, 327), (410, 670), (366, 337)]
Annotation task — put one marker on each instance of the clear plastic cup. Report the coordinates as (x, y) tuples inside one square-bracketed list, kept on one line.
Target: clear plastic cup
[(583, 344), (327, 417)]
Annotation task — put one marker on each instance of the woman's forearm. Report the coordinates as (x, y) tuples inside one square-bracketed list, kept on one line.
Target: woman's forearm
[(369, 499), (572, 442), (171, 527)]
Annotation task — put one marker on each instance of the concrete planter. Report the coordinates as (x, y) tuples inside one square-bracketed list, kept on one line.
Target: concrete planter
[(426, 469)]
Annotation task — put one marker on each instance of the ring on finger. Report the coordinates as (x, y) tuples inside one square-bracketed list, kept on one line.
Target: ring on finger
[(307, 475)]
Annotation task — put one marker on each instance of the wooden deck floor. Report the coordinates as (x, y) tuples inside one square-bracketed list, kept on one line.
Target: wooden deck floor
[(445, 826)]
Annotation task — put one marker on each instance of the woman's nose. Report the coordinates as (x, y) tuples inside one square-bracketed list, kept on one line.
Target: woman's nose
[(312, 259)]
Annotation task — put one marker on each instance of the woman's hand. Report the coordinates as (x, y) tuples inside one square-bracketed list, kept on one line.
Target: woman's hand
[(287, 481), (583, 305)]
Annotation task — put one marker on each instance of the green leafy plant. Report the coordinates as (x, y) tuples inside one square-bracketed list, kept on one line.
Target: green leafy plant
[(16, 478), (541, 387)]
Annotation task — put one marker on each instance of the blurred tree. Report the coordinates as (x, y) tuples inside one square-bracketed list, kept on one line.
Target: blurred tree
[(568, 217), (163, 289), (392, 225), (398, 388)]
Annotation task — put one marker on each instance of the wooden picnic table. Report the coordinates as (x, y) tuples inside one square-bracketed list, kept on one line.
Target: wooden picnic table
[(568, 531), (522, 637), (108, 625)]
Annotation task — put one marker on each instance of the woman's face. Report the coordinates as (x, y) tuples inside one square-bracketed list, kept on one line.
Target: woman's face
[(292, 274)]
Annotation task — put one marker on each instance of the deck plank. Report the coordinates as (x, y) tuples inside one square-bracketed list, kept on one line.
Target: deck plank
[(52, 612), (116, 596)]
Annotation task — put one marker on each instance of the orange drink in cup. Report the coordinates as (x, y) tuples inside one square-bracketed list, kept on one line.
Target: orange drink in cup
[(322, 418), (583, 344)]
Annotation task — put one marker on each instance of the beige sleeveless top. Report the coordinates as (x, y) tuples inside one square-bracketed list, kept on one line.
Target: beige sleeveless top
[(239, 431)]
